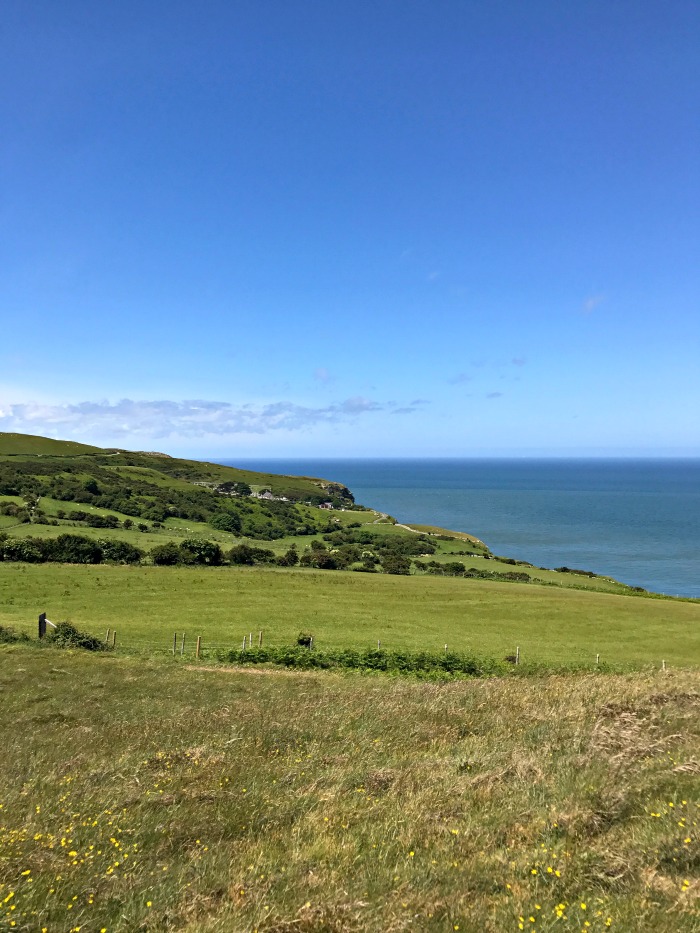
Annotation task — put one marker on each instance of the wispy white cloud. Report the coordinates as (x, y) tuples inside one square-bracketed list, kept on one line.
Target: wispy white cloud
[(459, 379), (518, 361), (494, 394), (163, 418), (322, 375)]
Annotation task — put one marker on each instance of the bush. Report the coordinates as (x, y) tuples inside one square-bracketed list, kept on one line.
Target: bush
[(241, 554), (121, 552), (9, 635), (244, 554), (418, 663), (226, 521), (66, 635), (75, 549), (166, 555), (194, 551), (29, 550), (290, 559), (396, 564)]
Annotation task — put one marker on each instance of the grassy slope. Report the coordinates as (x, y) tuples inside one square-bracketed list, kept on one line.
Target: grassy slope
[(154, 797), (178, 475), (14, 444), (147, 604), (150, 467)]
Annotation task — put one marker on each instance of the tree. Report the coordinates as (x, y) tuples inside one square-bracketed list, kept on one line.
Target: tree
[(166, 555), (241, 554), (194, 551), (75, 549), (226, 521), (396, 564)]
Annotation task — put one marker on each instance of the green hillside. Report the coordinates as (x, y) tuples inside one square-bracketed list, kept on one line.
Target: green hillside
[(69, 503), (14, 444)]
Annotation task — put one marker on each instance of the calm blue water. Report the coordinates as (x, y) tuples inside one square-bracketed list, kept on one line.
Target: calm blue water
[(635, 520)]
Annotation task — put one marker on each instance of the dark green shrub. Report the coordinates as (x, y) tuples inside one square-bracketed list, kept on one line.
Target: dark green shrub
[(29, 550), (66, 635), (121, 552), (74, 549), (166, 555), (289, 559), (396, 564), (194, 551), (9, 635), (226, 521), (241, 554)]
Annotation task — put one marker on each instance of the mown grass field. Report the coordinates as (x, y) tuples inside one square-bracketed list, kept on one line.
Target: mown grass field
[(146, 605), (141, 795)]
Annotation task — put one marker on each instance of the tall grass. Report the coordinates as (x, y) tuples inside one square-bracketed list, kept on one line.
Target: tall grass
[(150, 796)]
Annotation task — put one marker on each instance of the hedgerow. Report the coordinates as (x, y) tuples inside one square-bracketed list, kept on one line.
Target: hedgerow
[(368, 659)]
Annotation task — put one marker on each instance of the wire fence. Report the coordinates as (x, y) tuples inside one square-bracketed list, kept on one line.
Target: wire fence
[(193, 646)]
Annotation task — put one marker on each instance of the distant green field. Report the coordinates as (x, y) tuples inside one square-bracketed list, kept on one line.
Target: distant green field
[(14, 444), (343, 609)]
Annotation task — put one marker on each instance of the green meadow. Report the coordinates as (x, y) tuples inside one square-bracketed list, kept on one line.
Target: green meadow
[(147, 605), (157, 792), (148, 795)]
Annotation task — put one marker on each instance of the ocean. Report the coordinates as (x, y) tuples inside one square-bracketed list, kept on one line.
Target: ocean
[(635, 520)]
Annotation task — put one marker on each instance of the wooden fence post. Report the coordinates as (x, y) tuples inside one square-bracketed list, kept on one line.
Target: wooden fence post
[(182, 645), (199, 645), (517, 655), (114, 638), (260, 640), (174, 643), (42, 625), (109, 632)]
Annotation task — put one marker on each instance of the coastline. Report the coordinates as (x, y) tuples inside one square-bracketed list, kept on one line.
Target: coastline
[(637, 521)]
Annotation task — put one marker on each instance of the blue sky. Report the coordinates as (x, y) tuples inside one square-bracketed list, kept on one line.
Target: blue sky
[(295, 228)]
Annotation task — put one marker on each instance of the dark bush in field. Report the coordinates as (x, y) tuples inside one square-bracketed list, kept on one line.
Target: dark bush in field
[(121, 552), (102, 521), (245, 554), (368, 659), (66, 635), (289, 559), (74, 549), (166, 555), (28, 550), (194, 551), (396, 564), (226, 521), (65, 549), (9, 635)]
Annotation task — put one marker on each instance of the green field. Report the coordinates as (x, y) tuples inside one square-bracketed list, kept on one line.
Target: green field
[(148, 604), (148, 796), (142, 792)]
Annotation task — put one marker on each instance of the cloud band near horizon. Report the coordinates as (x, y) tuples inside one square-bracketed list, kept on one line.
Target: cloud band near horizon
[(187, 418)]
